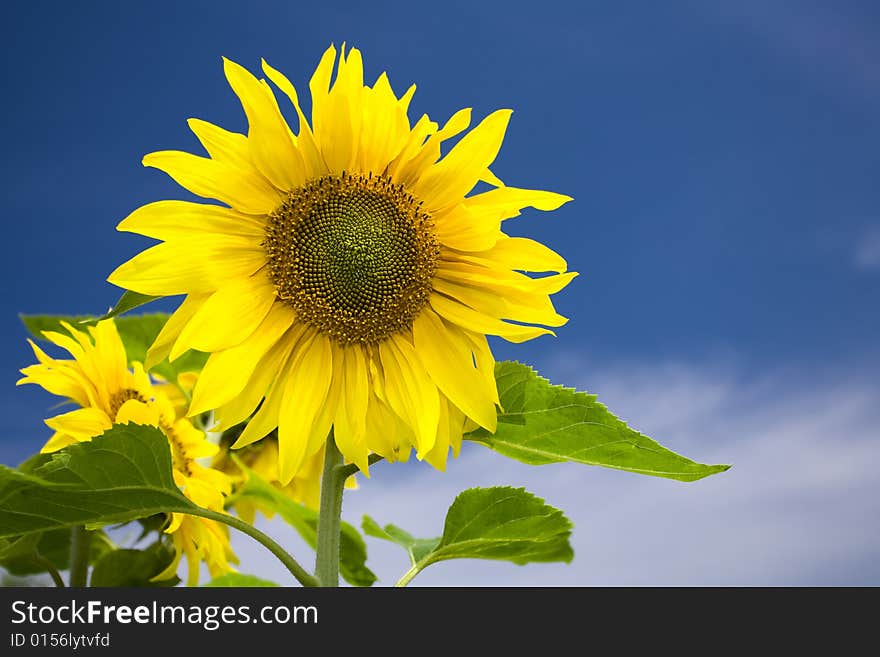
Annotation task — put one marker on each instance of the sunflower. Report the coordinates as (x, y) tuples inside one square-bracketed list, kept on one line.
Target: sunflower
[(100, 382), (352, 280)]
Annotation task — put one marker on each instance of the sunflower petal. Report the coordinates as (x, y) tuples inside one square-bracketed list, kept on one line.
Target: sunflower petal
[(448, 359), (228, 317), (82, 424), (169, 220), (228, 371), (163, 343), (246, 191), (269, 137), (190, 266), (305, 390), (448, 181), (229, 147)]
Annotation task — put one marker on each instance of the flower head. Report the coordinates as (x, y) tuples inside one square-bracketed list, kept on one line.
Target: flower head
[(354, 277), (107, 392)]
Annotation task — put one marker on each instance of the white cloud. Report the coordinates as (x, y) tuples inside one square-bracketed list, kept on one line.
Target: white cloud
[(799, 506), (867, 255)]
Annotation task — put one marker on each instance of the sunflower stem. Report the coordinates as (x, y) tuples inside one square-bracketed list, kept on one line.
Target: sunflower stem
[(330, 516), (300, 573), (43, 562), (80, 544)]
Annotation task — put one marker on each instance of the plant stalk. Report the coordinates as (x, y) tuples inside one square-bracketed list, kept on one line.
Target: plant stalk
[(300, 573), (330, 516), (80, 544)]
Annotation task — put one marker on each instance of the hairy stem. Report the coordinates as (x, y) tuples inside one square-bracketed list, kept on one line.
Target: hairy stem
[(43, 562), (80, 544), (300, 573), (330, 516), (407, 576)]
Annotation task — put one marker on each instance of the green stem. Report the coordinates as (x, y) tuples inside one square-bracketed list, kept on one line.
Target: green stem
[(43, 562), (345, 471), (80, 543), (330, 516), (407, 576), (300, 573)]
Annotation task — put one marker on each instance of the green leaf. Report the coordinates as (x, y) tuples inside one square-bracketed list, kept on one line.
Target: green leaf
[(543, 423), (502, 523), (352, 549), (137, 333), (129, 301), (238, 580), (129, 567), (417, 548), (119, 476), (53, 546)]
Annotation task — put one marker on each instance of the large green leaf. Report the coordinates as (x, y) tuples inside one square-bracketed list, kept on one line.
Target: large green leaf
[(134, 568), (239, 580), (543, 423), (503, 523), (119, 476), (352, 549), (137, 332)]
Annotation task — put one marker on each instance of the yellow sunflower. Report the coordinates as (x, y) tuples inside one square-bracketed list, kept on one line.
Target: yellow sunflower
[(99, 381), (352, 281)]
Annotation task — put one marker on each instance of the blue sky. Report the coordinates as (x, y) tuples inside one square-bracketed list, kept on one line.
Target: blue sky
[(724, 159)]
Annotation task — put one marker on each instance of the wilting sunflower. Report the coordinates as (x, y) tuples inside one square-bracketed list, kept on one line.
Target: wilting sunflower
[(352, 281), (100, 382)]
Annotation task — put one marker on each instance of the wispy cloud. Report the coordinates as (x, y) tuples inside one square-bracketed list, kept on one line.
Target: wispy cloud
[(799, 507), (867, 255)]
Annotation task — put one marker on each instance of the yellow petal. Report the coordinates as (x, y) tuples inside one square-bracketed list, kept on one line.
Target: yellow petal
[(58, 378), (448, 181), (319, 86), (518, 253), (271, 146), (57, 441), (312, 160), (161, 346), (82, 424), (506, 202), (499, 299), (338, 138), (244, 190), (137, 412), (228, 147), (227, 372), (228, 317), (412, 170), (349, 426), (415, 140), (474, 320), (462, 229), (409, 390), (448, 358), (385, 127), (266, 372), (305, 390), (184, 267), (169, 220)]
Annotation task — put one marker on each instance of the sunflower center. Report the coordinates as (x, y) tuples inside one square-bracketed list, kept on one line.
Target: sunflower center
[(179, 459), (122, 396), (353, 255)]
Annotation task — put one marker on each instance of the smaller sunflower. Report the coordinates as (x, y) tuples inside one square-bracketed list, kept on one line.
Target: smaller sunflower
[(261, 457), (107, 392)]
